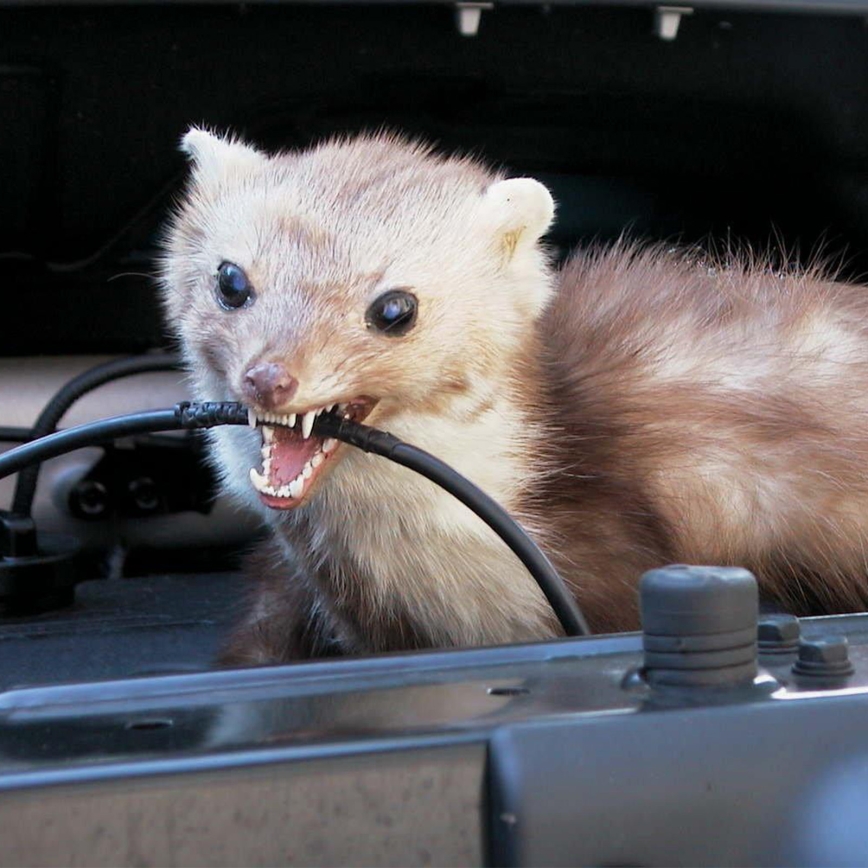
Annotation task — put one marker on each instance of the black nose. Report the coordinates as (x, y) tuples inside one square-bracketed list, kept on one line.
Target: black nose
[(269, 385)]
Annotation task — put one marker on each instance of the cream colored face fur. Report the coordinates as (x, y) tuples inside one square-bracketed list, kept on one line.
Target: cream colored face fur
[(320, 235)]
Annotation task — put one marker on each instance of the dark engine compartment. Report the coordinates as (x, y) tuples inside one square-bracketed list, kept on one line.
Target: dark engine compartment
[(747, 127)]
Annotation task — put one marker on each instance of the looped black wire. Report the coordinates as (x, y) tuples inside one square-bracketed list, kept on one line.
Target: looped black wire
[(52, 413)]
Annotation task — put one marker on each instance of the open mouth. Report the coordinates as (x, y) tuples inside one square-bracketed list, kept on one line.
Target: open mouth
[(293, 457)]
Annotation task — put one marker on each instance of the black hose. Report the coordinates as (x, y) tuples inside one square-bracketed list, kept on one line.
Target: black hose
[(183, 416), (54, 410), (92, 434), (208, 415), (489, 510), (13, 434)]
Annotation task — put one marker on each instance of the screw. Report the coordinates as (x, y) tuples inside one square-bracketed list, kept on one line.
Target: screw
[(778, 634), (828, 657), (89, 499), (145, 494)]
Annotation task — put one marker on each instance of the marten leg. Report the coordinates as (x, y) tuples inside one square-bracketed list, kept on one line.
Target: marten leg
[(285, 619)]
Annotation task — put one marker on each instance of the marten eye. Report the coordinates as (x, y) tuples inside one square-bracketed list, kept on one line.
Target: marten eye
[(393, 313), (233, 287)]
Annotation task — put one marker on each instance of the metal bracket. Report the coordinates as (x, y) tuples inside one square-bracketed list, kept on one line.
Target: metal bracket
[(468, 15), (667, 20)]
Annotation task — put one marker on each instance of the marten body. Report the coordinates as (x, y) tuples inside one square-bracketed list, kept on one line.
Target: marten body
[(637, 408)]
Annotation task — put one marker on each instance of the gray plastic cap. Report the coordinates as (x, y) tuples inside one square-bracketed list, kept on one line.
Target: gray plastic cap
[(685, 601), (699, 625)]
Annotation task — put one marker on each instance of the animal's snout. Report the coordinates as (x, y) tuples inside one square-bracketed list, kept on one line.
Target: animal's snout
[(269, 385)]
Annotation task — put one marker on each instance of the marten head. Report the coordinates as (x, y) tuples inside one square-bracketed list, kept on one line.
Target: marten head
[(365, 277)]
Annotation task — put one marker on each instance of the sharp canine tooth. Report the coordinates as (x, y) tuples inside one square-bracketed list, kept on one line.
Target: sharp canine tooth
[(307, 424), (296, 487), (260, 483), (329, 444), (251, 418)]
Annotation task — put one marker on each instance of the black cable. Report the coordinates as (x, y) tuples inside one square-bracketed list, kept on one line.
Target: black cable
[(14, 434), (92, 434), (182, 416), (54, 410), (208, 415), (489, 510)]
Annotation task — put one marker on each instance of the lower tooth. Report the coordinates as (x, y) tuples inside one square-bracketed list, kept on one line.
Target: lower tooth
[(329, 444), (317, 459), (296, 487), (307, 472)]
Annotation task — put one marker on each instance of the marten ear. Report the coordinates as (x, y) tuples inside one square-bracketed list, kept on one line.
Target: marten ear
[(522, 210), (216, 157)]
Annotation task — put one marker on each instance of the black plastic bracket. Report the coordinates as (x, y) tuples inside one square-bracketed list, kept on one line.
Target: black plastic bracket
[(37, 572)]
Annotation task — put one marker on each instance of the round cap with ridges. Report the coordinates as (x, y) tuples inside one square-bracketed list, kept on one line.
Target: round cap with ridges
[(699, 625)]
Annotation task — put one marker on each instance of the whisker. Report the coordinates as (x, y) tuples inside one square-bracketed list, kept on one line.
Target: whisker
[(130, 274)]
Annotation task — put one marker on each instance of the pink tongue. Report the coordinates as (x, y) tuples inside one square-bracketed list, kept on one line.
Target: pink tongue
[(289, 453)]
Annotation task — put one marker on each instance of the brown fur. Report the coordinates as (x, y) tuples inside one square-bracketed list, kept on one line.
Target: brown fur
[(279, 587), (632, 442)]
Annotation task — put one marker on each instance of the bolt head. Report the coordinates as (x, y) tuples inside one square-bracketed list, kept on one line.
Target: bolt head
[(779, 630), (89, 499), (145, 494), (831, 649)]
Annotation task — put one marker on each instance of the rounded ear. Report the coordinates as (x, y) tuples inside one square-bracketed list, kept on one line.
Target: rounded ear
[(215, 157), (521, 210)]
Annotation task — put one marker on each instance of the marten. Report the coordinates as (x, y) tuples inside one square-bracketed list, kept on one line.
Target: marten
[(641, 405)]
